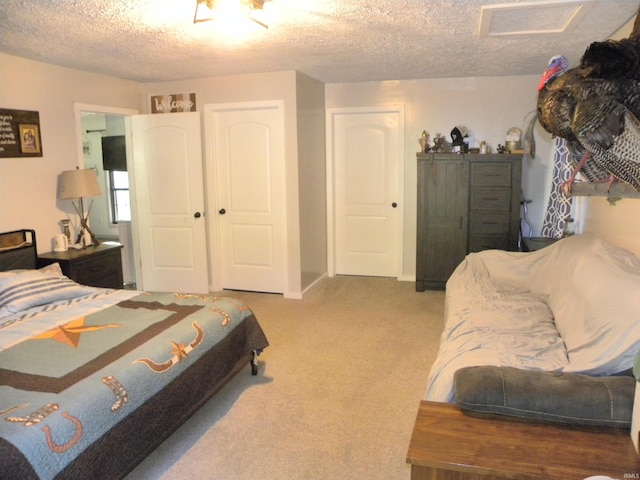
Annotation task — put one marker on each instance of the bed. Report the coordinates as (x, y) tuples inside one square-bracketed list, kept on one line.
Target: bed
[(92, 380)]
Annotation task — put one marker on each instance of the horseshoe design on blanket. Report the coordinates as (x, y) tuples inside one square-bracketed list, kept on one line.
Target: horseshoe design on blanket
[(118, 390), (225, 316), (35, 417), (54, 447), (179, 352)]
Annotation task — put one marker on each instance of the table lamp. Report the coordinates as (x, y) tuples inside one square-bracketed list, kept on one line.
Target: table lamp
[(78, 184)]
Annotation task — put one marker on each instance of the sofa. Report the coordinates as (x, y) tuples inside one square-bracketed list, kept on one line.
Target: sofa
[(548, 335)]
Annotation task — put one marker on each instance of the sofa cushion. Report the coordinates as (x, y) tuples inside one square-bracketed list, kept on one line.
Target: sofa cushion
[(569, 398)]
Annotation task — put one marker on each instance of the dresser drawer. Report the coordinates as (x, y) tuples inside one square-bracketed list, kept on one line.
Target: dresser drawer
[(100, 271), (491, 174), (490, 198), (489, 222), (478, 243), (99, 266)]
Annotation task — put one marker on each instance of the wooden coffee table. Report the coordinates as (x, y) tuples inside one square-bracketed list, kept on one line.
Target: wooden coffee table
[(448, 445)]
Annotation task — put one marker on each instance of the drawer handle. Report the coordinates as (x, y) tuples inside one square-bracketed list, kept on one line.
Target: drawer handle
[(490, 223), (490, 199)]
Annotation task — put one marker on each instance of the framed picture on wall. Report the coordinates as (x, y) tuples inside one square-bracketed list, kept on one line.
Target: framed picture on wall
[(19, 133), (29, 138)]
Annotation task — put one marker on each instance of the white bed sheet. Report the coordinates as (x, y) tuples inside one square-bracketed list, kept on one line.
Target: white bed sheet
[(573, 307), (492, 324)]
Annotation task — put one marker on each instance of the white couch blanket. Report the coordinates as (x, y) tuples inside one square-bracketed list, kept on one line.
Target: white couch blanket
[(571, 307)]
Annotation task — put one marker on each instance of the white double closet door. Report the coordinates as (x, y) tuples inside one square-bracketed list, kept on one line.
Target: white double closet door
[(243, 240)]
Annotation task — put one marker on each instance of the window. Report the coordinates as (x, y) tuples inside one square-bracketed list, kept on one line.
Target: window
[(120, 203)]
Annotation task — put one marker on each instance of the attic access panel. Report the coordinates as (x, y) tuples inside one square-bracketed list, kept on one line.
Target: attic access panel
[(532, 18)]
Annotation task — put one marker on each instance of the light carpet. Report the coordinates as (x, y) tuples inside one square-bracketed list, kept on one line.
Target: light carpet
[(336, 395)]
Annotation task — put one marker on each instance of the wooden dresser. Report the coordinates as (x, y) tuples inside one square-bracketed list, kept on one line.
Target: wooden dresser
[(466, 203), (448, 445), (99, 266)]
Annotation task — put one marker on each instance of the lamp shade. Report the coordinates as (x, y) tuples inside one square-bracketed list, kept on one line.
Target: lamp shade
[(78, 184)]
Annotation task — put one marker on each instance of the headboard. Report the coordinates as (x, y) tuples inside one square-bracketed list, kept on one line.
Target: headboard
[(18, 249)]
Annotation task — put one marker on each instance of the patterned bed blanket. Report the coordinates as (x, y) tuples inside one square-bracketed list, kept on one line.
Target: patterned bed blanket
[(92, 395)]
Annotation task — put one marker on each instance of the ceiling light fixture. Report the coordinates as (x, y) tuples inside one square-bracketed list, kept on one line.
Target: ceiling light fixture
[(207, 10)]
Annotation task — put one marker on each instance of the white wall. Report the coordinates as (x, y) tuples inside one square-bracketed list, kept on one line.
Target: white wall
[(488, 107), (311, 179), (28, 185), (620, 223)]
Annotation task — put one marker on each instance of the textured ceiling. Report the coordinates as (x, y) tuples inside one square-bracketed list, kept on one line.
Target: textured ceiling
[(330, 40)]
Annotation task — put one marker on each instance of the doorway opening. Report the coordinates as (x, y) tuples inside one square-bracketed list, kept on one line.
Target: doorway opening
[(110, 214)]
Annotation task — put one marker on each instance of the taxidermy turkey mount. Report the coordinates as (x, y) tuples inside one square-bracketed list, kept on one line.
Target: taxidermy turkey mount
[(595, 107)]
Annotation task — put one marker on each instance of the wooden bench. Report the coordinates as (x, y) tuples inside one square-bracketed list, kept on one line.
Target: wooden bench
[(447, 444)]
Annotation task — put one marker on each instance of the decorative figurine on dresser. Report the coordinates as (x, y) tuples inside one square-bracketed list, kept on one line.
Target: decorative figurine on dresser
[(466, 203)]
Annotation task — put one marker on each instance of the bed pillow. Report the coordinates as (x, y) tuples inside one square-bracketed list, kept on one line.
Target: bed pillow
[(52, 269), (24, 289), (569, 398)]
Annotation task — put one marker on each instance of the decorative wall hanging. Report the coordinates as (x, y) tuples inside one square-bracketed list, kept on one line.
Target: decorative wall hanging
[(19, 133), (175, 102), (559, 205)]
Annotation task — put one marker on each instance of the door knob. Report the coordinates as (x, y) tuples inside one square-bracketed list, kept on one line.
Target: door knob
[(394, 204), (197, 215), (222, 211)]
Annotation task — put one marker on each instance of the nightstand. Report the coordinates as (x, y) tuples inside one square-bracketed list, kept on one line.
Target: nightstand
[(531, 244), (99, 266)]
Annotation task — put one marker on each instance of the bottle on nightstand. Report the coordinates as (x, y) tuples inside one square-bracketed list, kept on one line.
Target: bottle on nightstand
[(64, 223), (568, 229)]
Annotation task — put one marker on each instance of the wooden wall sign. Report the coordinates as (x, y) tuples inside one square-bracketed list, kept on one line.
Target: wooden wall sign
[(19, 133), (176, 102)]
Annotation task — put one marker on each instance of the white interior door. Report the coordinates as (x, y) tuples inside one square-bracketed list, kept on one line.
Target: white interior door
[(168, 196), (367, 195), (247, 161)]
